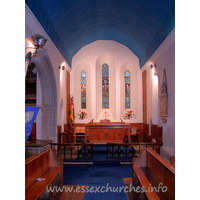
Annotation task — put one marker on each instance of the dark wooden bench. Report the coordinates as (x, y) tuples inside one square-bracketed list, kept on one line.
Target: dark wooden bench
[(46, 166), (145, 184), (157, 170)]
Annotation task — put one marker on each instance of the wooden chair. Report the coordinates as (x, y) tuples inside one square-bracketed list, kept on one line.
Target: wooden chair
[(134, 134), (79, 134)]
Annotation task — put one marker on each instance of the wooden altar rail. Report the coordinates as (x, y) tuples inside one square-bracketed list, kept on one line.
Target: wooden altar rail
[(85, 149), (155, 145), (65, 137)]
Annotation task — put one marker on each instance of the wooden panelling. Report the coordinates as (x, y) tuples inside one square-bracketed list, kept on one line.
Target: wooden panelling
[(79, 124), (59, 131), (153, 131), (138, 125), (147, 137), (144, 96), (159, 130), (59, 128), (65, 127), (66, 136), (107, 132), (119, 133), (146, 128), (93, 135), (156, 131)]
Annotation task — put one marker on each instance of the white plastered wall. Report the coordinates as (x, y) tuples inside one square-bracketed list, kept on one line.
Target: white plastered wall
[(90, 58), (163, 58), (32, 26)]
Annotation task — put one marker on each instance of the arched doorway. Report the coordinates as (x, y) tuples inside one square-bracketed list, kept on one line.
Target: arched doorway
[(49, 96)]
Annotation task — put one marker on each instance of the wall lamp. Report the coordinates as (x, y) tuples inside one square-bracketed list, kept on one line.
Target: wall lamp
[(39, 41), (151, 66), (155, 70), (63, 67)]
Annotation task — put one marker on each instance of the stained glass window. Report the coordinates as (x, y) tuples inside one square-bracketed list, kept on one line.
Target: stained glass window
[(127, 89), (105, 86), (83, 90)]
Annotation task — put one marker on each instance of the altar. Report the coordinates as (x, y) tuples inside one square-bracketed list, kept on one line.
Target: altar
[(104, 132)]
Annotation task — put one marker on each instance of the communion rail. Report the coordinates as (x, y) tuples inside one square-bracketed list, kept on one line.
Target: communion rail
[(129, 150), (74, 151), (79, 151)]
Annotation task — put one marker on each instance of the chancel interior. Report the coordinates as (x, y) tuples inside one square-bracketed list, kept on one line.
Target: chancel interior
[(104, 80)]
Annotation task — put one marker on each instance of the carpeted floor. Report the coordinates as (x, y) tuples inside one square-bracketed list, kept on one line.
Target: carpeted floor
[(105, 177)]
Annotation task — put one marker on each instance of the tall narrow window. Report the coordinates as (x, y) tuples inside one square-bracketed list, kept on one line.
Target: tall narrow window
[(127, 89), (83, 90), (105, 86)]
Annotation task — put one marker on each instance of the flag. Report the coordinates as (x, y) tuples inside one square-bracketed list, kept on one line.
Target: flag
[(30, 116), (71, 112)]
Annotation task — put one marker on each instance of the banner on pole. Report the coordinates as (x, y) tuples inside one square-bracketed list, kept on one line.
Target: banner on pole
[(30, 116), (71, 113)]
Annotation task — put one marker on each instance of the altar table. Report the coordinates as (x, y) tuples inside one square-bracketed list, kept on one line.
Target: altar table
[(107, 132)]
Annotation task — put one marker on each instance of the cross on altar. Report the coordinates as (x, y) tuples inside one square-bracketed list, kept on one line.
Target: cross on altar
[(105, 114)]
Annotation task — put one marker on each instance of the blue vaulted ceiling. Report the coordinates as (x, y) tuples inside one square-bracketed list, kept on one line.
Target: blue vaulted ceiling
[(141, 25)]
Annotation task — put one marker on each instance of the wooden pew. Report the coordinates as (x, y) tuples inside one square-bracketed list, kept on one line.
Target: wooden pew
[(172, 160), (162, 171), (144, 182), (46, 166), (157, 170)]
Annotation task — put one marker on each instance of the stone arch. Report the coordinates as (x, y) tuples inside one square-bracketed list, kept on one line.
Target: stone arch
[(49, 95)]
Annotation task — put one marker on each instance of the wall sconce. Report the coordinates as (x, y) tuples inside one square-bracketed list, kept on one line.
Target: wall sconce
[(154, 68), (63, 67), (39, 42)]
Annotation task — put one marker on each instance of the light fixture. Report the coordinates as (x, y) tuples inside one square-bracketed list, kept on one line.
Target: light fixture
[(39, 42), (154, 68), (63, 67)]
